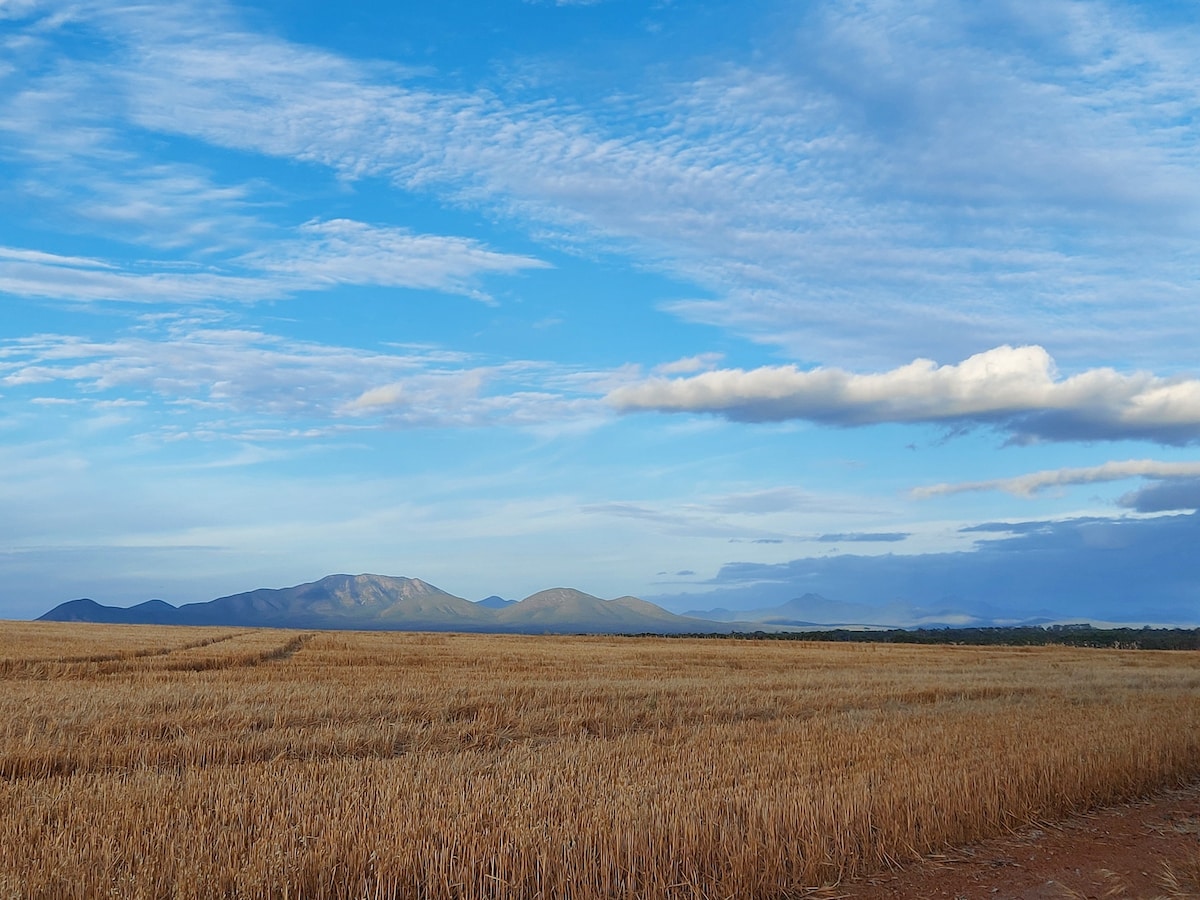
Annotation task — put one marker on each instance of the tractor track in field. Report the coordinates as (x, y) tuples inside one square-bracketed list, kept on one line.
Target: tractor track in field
[(1145, 849)]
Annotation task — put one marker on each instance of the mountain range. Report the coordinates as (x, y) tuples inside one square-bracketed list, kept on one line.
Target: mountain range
[(380, 602), (817, 612)]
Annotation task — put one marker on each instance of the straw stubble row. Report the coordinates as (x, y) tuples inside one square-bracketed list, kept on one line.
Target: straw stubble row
[(504, 767)]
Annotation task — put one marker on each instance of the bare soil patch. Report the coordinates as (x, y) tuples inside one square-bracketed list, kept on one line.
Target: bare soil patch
[(1145, 849)]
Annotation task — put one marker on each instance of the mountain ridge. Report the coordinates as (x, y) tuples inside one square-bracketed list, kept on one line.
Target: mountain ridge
[(383, 602)]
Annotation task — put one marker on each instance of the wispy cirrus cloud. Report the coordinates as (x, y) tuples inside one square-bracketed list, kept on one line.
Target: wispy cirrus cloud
[(1169, 487), (864, 537), (268, 383), (909, 169), (689, 364), (70, 156), (768, 516), (1016, 390), (1028, 485), (771, 500), (319, 254), (341, 251), (47, 276)]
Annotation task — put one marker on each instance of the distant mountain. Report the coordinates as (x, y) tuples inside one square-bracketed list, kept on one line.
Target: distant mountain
[(815, 611), (494, 602), (378, 602), (152, 612), (342, 601), (568, 610), (811, 609)]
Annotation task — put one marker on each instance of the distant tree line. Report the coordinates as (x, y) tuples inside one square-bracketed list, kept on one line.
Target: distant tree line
[(1082, 635)]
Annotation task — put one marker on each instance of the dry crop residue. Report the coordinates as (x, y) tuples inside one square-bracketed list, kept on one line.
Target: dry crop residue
[(351, 765)]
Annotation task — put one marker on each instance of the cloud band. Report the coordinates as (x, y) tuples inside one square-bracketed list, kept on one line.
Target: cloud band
[(1014, 389)]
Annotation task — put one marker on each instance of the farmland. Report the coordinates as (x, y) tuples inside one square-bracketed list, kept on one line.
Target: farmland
[(142, 761)]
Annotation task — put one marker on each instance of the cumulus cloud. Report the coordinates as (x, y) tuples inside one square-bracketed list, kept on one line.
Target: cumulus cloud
[(1014, 389), (1028, 485)]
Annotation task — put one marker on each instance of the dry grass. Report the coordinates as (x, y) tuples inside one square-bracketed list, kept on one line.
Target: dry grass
[(1181, 878), (211, 762), (57, 649)]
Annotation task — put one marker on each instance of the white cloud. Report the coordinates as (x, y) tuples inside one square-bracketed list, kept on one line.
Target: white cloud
[(202, 377), (767, 516), (1015, 389), (68, 153), (771, 500), (1028, 485), (40, 275), (16, 254), (347, 252), (690, 364), (907, 170), (321, 254)]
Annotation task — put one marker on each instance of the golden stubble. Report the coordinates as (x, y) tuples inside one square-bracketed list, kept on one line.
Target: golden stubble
[(157, 762)]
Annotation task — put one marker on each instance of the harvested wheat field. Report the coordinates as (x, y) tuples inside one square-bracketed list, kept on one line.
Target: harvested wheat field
[(139, 761)]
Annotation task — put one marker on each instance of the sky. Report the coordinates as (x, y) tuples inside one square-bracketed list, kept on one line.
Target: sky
[(712, 303)]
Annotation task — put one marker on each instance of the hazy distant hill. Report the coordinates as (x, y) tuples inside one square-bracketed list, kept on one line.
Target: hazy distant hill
[(566, 610), (378, 602), (152, 612), (815, 611), (807, 610), (494, 602), (342, 601)]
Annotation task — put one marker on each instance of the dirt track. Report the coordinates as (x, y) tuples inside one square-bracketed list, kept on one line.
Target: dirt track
[(1146, 849)]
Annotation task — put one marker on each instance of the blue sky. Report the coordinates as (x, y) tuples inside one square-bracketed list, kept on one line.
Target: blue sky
[(705, 302)]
